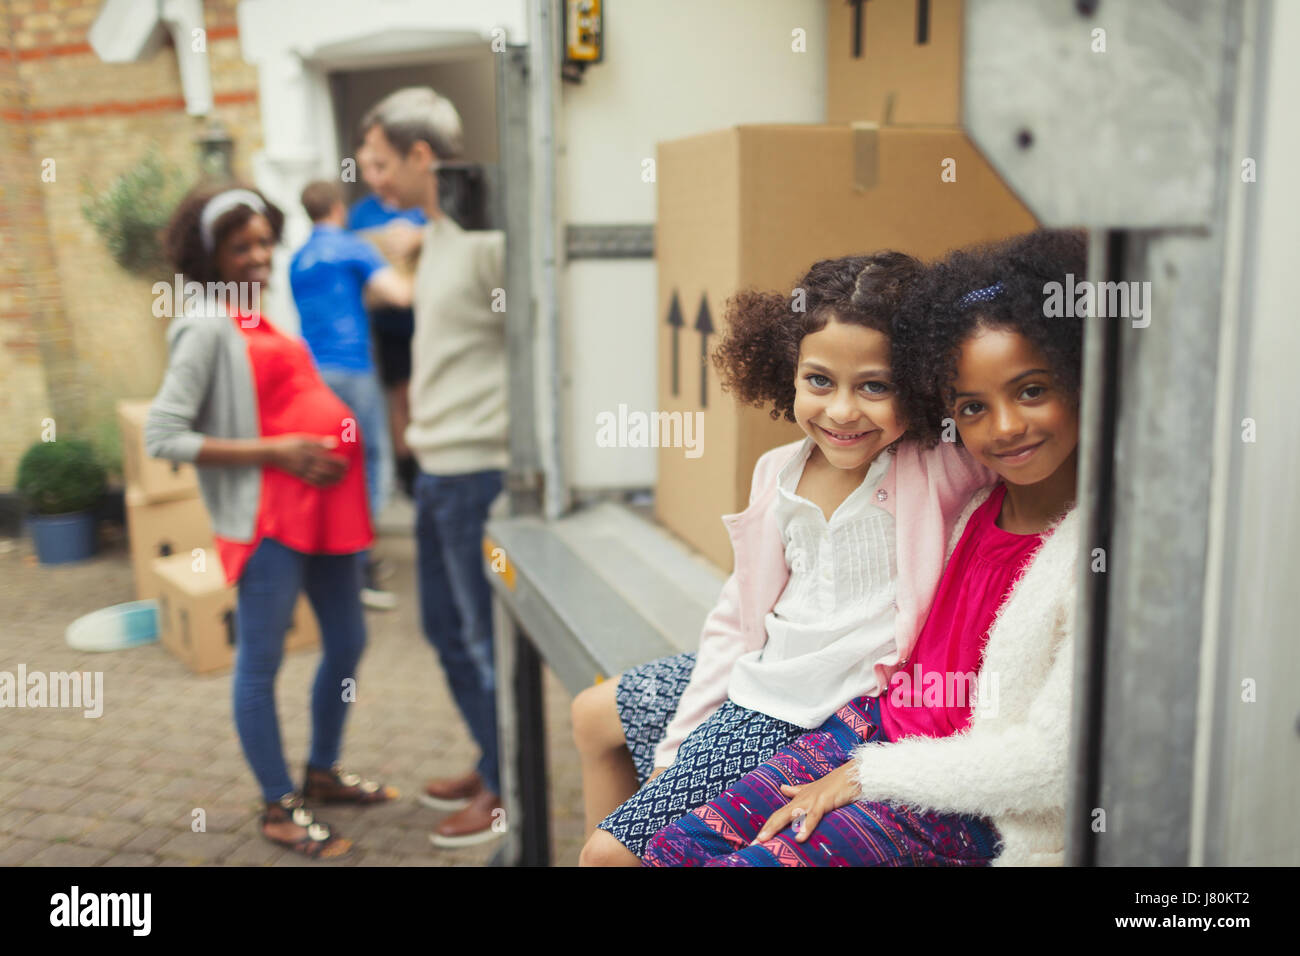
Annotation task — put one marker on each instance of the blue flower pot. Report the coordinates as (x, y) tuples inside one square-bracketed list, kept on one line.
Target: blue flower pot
[(60, 539)]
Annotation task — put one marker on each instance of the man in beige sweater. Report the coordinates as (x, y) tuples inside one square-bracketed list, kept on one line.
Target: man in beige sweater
[(457, 432)]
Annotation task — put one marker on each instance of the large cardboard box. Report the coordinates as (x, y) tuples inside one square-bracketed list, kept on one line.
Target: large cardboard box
[(894, 62), (755, 206), (157, 479), (157, 529), (196, 614)]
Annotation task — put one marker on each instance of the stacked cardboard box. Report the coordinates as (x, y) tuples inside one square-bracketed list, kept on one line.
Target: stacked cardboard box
[(164, 513), (196, 614), (174, 556), (755, 206), (894, 62)]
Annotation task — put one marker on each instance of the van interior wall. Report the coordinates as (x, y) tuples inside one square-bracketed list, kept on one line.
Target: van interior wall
[(673, 68)]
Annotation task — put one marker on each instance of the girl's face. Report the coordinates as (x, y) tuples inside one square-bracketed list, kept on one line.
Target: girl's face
[(844, 396), (1010, 412), (245, 254)]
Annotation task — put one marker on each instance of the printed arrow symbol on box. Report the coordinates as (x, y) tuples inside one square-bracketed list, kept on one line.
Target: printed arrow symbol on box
[(857, 27), (922, 24), (704, 325), (676, 321)]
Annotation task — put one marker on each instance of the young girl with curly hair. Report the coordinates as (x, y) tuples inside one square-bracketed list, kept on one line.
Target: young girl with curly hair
[(837, 558), (922, 774), (281, 470)]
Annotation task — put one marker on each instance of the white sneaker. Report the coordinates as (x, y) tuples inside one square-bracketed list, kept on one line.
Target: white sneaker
[(378, 600), (465, 839), (438, 803)]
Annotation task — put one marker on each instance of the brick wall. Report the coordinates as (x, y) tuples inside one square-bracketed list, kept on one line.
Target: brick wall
[(76, 331)]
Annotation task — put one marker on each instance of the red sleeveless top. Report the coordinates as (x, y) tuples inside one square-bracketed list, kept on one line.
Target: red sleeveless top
[(931, 696), (293, 398)]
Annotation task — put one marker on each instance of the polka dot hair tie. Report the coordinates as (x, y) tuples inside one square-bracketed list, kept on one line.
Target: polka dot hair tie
[(980, 295)]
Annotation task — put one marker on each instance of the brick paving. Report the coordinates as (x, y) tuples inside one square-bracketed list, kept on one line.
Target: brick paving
[(120, 790)]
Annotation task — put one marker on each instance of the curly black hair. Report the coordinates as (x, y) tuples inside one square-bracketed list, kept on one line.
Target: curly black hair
[(759, 352), (932, 322), (183, 243)]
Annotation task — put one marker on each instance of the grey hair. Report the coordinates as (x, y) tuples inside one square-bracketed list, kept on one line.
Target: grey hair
[(417, 113)]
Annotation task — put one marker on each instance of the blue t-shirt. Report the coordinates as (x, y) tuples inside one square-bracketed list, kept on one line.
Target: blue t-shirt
[(327, 276), (370, 213)]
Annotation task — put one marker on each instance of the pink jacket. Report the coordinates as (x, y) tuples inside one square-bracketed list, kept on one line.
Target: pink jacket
[(925, 490)]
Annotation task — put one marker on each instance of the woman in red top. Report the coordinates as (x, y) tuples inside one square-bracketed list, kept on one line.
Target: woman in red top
[(312, 519)]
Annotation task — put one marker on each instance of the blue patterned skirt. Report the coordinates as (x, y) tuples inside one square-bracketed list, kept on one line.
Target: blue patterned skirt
[(733, 741)]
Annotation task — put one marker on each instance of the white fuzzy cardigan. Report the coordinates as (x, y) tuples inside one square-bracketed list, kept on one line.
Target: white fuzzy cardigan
[(1009, 764)]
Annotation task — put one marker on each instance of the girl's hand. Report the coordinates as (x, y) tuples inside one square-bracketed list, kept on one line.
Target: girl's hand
[(810, 802), (307, 457)]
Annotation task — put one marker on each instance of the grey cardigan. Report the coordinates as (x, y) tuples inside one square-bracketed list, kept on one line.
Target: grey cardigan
[(208, 389)]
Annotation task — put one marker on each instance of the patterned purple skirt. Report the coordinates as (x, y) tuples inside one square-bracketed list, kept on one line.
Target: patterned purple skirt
[(860, 834)]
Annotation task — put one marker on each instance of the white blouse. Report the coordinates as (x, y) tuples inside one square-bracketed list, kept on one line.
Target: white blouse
[(835, 618)]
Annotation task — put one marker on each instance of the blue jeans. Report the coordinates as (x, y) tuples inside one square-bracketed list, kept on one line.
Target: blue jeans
[(456, 599), (268, 591), (360, 391)]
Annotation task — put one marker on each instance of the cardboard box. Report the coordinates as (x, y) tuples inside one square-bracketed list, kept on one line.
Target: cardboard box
[(755, 206), (894, 62), (405, 265), (156, 529), (157, 479), (196, 615)]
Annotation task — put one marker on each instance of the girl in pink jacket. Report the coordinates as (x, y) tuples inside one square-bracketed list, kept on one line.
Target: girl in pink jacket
[(837, 558)]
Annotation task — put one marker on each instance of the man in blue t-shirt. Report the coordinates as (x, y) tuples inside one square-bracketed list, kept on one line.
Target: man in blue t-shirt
[(371, 213), (330, 276)]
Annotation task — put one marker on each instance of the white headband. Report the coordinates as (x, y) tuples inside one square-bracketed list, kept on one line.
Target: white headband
[(222, 203)]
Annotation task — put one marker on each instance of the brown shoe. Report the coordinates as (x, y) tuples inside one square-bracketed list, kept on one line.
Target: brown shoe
[(335, 786), (452, 793), (482, 820)]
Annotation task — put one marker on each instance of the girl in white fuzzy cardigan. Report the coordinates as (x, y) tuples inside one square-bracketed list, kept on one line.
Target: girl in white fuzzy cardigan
[(927, 774)]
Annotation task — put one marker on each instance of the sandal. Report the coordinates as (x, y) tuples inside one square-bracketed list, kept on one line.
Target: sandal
[(334, 786), (318, 843)]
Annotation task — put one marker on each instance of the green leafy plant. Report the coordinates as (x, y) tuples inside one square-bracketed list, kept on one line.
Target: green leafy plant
[(60, 477), (132, 212)]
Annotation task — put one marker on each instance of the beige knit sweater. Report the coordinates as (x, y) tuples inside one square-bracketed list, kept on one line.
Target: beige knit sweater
[(1009, 764), (458, 352)]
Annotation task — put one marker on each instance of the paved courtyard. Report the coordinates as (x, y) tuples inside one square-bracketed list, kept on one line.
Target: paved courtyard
[(120, 790)]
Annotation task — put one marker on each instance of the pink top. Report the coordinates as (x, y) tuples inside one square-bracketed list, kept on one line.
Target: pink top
[(925, 490), (931, 697)]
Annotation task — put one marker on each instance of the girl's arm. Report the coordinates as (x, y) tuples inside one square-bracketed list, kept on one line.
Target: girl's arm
[(1020, 768), (987, 771), (721, 643)]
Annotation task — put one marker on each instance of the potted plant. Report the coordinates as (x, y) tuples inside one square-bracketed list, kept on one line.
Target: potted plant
[(62, 482), (131, 214)]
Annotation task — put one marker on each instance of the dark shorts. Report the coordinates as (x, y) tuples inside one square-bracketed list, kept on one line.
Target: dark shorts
[(392, 329)]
